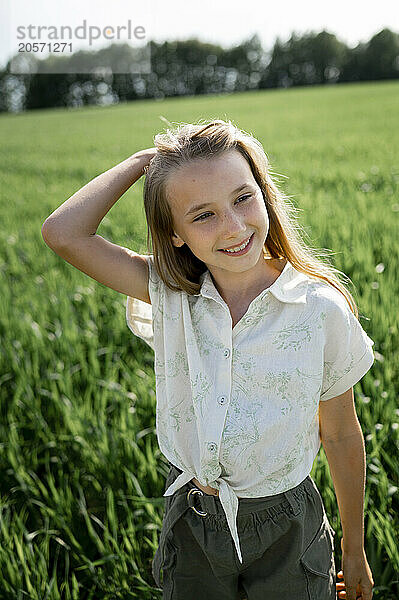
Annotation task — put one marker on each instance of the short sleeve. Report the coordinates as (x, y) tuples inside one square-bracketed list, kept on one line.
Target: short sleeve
[(348, 353), (139, 314)]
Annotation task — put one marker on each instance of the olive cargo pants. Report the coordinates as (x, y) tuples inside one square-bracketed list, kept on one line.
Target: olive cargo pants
[(286, 540)]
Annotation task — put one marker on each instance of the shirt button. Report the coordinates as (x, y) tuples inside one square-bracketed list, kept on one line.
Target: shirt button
[(222, 399), (249, 319), (212, 446), (227, 353)]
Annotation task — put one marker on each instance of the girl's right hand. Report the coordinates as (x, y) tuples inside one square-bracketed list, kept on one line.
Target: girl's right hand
[(145, 157)]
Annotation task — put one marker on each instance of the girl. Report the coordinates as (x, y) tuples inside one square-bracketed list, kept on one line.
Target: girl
[(257, 347)]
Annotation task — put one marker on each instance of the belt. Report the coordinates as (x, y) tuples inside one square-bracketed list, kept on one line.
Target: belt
[(184, 500)]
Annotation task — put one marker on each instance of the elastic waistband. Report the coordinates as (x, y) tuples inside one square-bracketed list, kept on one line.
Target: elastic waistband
[(212, 504)]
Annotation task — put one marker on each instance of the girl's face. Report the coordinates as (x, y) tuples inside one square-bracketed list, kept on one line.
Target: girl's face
[(233, 209)]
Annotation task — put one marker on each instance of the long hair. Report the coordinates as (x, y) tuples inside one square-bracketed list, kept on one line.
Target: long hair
[(178, 268)]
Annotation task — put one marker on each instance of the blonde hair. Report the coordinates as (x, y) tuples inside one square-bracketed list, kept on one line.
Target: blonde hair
[(179, 268)]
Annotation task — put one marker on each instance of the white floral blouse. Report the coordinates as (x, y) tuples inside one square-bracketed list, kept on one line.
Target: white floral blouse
[(238, 408)]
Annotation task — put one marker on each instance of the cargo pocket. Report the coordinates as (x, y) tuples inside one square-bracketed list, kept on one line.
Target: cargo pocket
[(168, 569), (319, 566)]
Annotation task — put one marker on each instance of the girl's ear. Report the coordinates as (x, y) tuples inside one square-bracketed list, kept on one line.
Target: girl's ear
[(177, 241)]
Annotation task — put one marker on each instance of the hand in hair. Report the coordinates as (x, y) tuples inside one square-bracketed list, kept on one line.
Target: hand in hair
[(146, 155)]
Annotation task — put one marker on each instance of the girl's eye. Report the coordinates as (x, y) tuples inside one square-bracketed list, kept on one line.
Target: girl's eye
[(204, 216)]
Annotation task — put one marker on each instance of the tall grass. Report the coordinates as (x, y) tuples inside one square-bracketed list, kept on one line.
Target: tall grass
[(81, 474)]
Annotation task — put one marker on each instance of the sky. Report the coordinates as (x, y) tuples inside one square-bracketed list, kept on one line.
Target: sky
[(218, 21)]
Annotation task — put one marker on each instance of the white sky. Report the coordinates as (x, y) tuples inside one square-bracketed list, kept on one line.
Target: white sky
[(219, 21)]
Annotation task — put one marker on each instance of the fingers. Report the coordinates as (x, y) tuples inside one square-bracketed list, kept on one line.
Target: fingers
[(344, 594), (340, 586)]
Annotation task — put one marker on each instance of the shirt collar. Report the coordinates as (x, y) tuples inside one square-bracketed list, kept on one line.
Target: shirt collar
[(290, 286)]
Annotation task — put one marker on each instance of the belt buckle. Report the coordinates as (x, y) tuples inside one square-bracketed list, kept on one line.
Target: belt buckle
[(196, 491)]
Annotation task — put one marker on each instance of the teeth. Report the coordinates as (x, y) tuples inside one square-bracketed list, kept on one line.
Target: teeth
[(239, 247)]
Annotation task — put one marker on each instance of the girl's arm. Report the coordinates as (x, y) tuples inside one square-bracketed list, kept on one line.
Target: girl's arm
[(70, 231), (82, 213), (343, 444)]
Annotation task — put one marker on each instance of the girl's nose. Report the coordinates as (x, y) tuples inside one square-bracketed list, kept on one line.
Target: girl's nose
[(233, 224)]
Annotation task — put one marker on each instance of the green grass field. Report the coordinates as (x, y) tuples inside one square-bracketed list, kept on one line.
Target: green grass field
[(81, 474)]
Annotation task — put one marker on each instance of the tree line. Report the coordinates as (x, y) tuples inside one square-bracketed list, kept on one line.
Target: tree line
[(193, 67)]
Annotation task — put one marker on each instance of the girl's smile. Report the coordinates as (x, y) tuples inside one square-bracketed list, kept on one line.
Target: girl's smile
[(240, 249)]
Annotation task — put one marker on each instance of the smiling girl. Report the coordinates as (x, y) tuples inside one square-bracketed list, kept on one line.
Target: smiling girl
[(257, 348)]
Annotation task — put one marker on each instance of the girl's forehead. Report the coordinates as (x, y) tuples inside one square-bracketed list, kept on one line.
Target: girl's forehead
[(222, 171)]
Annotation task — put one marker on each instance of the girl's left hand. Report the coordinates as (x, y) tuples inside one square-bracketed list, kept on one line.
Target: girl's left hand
[(357, 577)]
